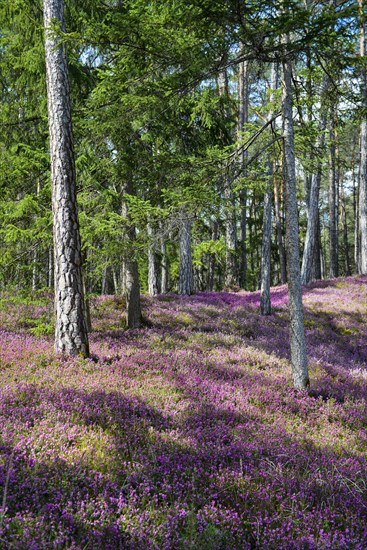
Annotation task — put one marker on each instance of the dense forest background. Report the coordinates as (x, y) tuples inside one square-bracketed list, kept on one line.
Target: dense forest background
[(178, 138)]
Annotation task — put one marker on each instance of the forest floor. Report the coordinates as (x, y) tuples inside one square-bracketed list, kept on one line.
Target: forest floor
[(187, 433)]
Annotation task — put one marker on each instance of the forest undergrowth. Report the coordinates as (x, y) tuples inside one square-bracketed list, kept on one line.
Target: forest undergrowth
[(187, 433)]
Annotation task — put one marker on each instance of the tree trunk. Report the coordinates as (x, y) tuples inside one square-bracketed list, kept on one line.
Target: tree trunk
[(311, 251), (131, 271), (333, 206), (231, 277), (152, 264), (212, 259), (297, 333), (243, 91), (186, 278), (279, 231), (265, 303), (362, 202), (164, 264), (71, 329)]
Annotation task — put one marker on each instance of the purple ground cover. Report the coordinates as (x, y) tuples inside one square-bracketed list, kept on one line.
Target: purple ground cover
[(186, 434)]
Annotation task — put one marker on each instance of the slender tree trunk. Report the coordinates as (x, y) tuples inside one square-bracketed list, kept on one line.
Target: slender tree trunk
[(311, 251), (345, 235), (362, 229), (152, 264), (71, 328), (164, 264), (356, 224), (243, 91), (131, 271), (333, 206), (186, 278), (279, 231), (212, 259), (231, 273), (297, 333), (265, 303), (231, 277), (50, 278)]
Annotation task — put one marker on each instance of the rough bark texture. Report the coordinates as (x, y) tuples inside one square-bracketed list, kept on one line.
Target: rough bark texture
[(131, 272), (186, 278), (71, 331), (297, 333), (362, 203), (152, 264)]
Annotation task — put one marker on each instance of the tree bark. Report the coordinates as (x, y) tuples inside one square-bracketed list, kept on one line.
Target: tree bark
[(71, 329), (279, 231), (152, 264), (362, 202), (333, 206), (164, 264), (297, 333), (265, 302), (243, 91), (311, 252), (131, 271), (186, 278)]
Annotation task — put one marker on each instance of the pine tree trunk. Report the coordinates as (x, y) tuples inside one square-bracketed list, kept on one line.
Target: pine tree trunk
[(279, 232), (333, 207), (297, 333), (164, 264), (362, 199), (131, 271), (186, 278), (231, 277), (50, 277), (71, 329), (152, 264), (212, 260), (243, 91), (265, 303)]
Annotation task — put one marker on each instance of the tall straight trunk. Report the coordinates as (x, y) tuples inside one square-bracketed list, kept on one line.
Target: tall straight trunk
[(279, 231), (231, 276), (71, 335), (231, 273), (212, 259), (356, 224), (316, 264), (131, 270), (186, 277), (311, 251), (265, 303), (50, 273), (345, 234), (243, 91), (297, 332), (152, 264), (333, 205), (362, 214), (164, 264)]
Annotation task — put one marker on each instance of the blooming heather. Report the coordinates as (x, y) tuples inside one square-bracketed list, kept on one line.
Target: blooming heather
[(187, 434)]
